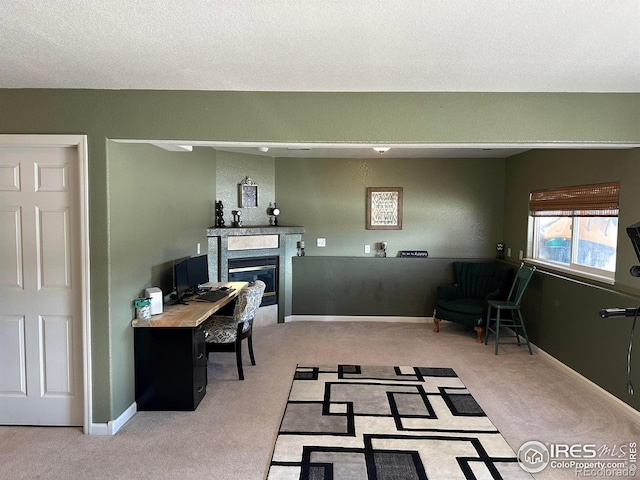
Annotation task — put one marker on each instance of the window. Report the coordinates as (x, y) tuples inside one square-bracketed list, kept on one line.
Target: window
[(576, 228)]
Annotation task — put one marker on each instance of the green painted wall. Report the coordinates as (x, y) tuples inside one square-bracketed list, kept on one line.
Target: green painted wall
[(280, 117), (323, 117), (451, 207), (355, 286), (553, 168), (443, 199), (562, 318), (231, 168), (160, 205), (562, 314)]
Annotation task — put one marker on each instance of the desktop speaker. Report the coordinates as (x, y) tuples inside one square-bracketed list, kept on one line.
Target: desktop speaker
[(155, 294)]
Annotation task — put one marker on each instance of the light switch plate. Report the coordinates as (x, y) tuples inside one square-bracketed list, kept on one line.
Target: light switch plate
[(321, 242)]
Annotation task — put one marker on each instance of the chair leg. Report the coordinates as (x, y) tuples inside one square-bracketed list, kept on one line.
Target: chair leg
[(497, 329), (524, 331), (239, 358), (516, 327), (250, 345), (488, 325)]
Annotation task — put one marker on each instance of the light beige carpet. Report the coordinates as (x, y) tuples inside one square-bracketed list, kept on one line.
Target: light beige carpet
[(232, 433)]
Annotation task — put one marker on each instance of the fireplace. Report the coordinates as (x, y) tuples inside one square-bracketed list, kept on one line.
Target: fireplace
[(257, 268), (228, 245)]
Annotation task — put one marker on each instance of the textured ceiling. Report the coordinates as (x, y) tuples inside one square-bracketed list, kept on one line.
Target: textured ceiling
[(321, 45)]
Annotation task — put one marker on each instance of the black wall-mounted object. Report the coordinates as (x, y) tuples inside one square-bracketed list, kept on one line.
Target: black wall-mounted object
[(414, 253), (634, 234)]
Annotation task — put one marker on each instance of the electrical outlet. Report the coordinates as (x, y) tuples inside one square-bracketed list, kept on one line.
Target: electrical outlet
[(198, 249), (367, 249), (509, 252), (321, 242), (520, 255)]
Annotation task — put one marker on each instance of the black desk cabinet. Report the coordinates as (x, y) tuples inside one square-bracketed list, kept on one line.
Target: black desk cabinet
[(170, 367)]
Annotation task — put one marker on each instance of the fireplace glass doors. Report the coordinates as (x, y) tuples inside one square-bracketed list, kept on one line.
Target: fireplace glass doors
[(257, 268)]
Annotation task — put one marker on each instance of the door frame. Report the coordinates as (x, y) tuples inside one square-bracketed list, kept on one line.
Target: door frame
[(79, 142)]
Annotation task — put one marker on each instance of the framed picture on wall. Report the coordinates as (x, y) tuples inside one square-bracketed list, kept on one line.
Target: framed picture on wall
[(247, 193), (384, 208)]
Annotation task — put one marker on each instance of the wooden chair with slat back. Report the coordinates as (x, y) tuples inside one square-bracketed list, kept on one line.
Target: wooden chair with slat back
[(511, 305)]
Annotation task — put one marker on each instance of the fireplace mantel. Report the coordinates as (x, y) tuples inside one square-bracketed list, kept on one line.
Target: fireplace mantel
[(253, 230), (256, 241)]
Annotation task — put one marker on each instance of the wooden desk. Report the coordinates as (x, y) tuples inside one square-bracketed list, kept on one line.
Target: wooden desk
[(171, 356), (192, 314)]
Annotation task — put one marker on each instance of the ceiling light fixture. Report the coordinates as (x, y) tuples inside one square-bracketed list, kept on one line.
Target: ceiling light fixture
[(263, 149), (381, 150)]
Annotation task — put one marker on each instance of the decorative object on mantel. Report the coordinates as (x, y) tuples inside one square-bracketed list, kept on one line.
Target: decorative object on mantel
[(236, 218), (382, 251), (384, 208), (219, 214), (247, 193), (414, 253), (300, 246), (500, 251), (273, 212)]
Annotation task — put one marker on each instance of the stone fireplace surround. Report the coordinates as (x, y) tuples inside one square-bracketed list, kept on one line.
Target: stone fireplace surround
[(256, 241)]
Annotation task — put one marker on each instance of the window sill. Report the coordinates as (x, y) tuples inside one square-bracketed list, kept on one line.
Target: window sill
[(609, 280)]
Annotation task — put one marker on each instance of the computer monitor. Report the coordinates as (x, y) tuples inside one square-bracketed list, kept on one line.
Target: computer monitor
[(181, 279), (198, 271)]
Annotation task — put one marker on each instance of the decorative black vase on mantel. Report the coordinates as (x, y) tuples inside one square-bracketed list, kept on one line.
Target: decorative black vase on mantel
[(219, 214)]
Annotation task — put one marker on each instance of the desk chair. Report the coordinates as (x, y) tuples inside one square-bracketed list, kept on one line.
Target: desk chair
[(225, 334), (511, 305)]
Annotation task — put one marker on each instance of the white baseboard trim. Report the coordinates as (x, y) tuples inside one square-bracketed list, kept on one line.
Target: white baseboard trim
[(354, 318), (614, 401), (112, 426)]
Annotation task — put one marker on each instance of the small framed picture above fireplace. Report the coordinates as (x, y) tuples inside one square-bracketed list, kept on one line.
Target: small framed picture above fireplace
[(247, 193)]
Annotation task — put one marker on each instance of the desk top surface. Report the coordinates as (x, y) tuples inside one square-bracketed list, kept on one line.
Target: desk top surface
[(192, 314)]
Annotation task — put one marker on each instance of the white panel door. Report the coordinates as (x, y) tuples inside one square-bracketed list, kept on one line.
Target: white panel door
[(41, 357)]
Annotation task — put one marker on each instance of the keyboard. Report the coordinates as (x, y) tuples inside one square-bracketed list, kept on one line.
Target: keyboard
[(213, 295)]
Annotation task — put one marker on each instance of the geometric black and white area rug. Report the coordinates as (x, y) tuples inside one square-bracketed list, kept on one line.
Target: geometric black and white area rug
[(357, 422)]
